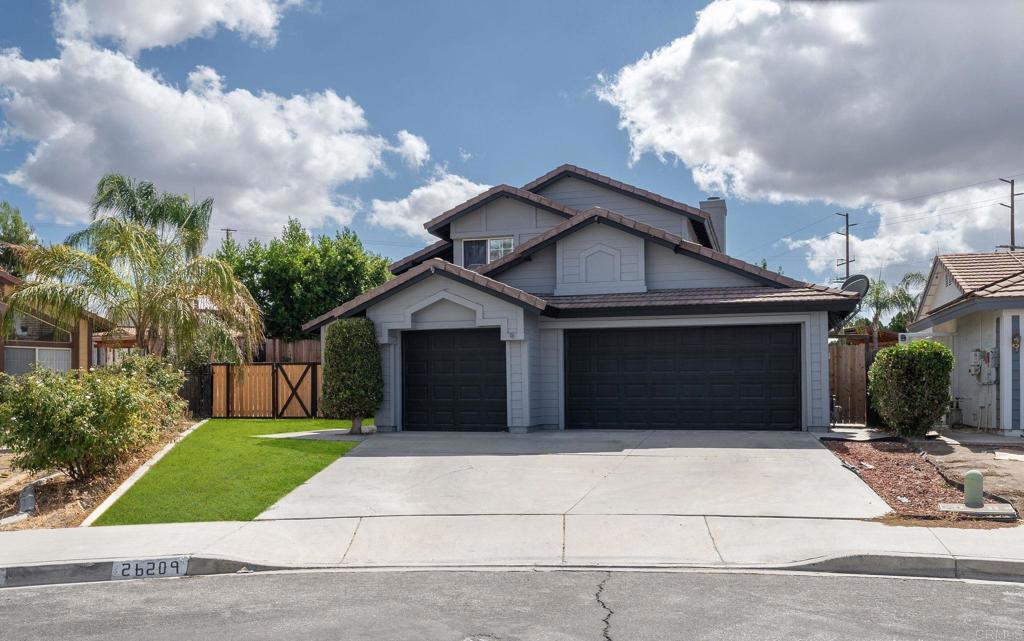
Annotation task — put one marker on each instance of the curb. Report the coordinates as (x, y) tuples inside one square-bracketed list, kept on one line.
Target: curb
[(892, 565), (136, 475)]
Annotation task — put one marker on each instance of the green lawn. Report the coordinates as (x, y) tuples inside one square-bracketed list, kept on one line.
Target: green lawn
[(221, 473)]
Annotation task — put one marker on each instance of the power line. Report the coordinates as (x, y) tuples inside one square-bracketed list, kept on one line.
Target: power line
[(845, 262), (1013, 223)]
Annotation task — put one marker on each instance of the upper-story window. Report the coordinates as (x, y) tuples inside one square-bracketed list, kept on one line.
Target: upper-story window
[(484, 250)]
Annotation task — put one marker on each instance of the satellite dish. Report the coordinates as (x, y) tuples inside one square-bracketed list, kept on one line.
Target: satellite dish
[(857, 284)]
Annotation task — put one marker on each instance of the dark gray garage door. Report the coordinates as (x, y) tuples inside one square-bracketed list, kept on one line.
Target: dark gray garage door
[(743, 377), (454, 380)]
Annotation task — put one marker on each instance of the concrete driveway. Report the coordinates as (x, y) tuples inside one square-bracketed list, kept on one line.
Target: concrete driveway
[(679, 473)]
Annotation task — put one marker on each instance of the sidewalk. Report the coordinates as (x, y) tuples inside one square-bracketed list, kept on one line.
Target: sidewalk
[(517, 541)]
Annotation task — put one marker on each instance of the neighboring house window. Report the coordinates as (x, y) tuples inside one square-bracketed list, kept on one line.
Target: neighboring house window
[(19, 360), (30, 328), (484, 250), (949, 279)]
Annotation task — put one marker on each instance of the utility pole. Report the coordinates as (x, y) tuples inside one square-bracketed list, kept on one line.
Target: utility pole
[(841, 262), (1013, 223), (227, 232)]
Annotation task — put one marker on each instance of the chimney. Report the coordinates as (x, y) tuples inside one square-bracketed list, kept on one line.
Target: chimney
[(716, 207)]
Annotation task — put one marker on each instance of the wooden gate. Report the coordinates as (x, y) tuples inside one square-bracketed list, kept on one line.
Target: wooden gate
[(847, 381), (266, 390)]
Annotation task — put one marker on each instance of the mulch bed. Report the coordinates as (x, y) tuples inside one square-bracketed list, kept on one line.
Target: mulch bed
[(62, 502), (899, 474)]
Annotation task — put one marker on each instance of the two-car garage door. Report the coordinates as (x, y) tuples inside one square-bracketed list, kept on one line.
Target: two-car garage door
[(729, 377), (737, 377)]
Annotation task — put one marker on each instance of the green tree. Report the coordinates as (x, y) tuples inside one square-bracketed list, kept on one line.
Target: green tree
[(353, 382), (13, 231), (138, 264), (902, 300), (295, 277), (763, 264)]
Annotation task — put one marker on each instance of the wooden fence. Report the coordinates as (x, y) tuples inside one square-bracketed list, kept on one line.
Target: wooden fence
[(266, 390), (847, 381), (276, 350)]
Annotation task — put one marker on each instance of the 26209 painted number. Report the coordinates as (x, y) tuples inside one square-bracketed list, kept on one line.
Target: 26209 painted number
[(149, 568)]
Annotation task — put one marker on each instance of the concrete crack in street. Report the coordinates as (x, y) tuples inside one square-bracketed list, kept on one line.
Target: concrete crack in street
[(606, 632)]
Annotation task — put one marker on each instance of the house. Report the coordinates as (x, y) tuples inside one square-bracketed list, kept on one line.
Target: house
[(974, 304), (36, 338), (578, 301)]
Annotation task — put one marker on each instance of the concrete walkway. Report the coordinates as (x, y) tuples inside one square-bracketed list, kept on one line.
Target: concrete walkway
[(536, 540)]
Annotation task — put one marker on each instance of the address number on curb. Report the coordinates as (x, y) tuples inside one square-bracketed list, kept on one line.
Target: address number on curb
[(150, 568)]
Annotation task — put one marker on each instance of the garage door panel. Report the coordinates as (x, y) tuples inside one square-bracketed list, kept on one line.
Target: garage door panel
[(742, 377), (454, 380)]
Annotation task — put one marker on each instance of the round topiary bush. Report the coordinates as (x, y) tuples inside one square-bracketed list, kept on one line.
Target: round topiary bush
[(909, 385), (353, 383)]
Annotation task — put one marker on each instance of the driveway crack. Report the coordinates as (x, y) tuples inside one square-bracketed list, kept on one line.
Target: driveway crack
[(607, 620), (714, 543)]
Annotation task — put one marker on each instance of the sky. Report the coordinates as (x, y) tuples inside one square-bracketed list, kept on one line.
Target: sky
[(380, 115)]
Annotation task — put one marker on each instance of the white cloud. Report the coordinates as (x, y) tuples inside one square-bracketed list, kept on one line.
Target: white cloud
[(465, 155), (140, 24), (261, 156), (847, 103), (412, 148), (909, 234), (442, 192)]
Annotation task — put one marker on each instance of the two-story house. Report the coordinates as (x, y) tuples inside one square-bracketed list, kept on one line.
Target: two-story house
[(578, 301)]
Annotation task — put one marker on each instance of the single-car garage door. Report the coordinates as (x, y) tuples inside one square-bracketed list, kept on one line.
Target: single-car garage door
[(739, 378), (453, 380)]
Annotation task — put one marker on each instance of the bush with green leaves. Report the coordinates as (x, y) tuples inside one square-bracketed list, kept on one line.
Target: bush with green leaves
[(81, 423), (163, 380), (353, 383), (909, 385)]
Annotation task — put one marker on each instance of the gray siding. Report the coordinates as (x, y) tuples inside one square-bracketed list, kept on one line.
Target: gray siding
[(505, 217), (669, 270), (600, 259), (546, 397), (581, 194), (536, 275)]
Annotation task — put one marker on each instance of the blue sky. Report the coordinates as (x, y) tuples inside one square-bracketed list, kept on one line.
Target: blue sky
[(503, 92)]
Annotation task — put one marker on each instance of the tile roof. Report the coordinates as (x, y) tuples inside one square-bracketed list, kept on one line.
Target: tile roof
[(704, 296), (555, 207), (975, 271), (426, 268), (678, 244), (593, 176), (429, 251)]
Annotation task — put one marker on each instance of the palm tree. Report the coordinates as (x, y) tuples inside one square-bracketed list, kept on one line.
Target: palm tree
[(139, 264), (902, 299)]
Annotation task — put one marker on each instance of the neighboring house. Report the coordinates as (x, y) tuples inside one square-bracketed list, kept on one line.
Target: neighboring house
[(594, 304), (36, 338), (974, 303)]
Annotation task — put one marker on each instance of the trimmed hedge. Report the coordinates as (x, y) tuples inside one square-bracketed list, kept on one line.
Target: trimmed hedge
[(909, 385), (353, 385)]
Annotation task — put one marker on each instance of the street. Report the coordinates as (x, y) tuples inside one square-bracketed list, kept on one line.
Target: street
[(558, 605)]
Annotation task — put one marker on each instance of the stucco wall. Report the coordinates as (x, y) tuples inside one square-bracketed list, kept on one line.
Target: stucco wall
[(581, 194)]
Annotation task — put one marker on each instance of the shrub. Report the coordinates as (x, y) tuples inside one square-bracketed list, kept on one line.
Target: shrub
[(353, 383), (909, 385), (161, 378), (81, 423)]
